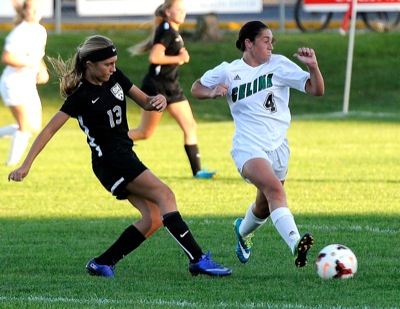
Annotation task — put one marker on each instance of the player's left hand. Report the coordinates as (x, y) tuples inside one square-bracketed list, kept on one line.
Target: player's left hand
[(306, 55), (159, 102)]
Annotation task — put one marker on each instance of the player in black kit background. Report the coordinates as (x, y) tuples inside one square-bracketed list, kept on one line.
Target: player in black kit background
[(166, 54)]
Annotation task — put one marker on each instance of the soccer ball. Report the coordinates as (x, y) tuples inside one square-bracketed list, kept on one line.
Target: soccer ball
[(336, 261)]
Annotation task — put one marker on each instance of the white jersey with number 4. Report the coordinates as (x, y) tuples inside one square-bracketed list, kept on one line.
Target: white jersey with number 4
[(258, 98)]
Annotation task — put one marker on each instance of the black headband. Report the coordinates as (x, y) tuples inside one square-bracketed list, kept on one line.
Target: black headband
[(102, 54)]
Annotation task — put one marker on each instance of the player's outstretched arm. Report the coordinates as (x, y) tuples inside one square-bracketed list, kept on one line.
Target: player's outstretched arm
[(315, 85), (40, 142)]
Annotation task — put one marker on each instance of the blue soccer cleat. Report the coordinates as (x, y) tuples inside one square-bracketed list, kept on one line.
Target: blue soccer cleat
[(95, 269), (205, 174), (207, 266), (244, 244)]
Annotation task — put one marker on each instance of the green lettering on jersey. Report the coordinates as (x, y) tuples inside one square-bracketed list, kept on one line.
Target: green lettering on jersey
[(262, 84), (255, 86), (242, 91), (248, 89), (269, 80), (234, 94), (249, 92)]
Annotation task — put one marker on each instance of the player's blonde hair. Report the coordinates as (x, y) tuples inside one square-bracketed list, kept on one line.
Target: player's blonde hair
[(71, 72), (20, 9), (159, 17)]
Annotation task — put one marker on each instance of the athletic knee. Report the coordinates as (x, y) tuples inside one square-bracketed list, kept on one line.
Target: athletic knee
[(168, 195), (137, 134), (275, 195), (192, 129), (167, 201)]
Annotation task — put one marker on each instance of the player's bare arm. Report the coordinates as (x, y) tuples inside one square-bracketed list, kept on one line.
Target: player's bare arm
[(201, 92), (19, 61), (40, 142), (315, 85), (158, 56)]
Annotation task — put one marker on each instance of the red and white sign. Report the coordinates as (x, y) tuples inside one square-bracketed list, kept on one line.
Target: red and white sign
[(343, 5)]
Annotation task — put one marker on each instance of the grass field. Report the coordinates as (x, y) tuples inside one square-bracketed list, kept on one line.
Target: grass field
[(342, 185)]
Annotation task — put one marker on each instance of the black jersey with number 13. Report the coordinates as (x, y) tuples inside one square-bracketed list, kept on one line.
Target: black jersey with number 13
[(101, 113)]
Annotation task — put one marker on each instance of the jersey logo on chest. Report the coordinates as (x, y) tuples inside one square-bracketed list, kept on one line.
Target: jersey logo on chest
[(116, 90)]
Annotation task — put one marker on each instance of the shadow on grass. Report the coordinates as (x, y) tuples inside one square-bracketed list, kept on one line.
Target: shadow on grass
[(43, 264)]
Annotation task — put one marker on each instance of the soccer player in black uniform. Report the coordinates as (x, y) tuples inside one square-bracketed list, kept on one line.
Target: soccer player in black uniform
[(167, 53), (95, 93)]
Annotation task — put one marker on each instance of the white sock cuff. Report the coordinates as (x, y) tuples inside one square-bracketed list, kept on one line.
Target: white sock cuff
[(250, 222), (21, 137), (279, 213), (9, 130), (253, 217), (19, 142)]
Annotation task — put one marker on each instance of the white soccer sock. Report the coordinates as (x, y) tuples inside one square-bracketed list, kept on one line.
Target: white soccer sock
[(8, 130), (250, 222), (19, 143), (284, 222)]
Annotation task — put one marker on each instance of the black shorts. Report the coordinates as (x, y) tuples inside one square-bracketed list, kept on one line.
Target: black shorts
[(171, 90), (115, 170)]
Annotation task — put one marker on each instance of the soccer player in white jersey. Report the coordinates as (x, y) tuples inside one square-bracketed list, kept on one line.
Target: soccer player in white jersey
[(257, 88), (23, 56)]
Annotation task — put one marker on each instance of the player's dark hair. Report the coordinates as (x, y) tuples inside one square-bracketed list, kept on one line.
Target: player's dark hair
[(250, 30)]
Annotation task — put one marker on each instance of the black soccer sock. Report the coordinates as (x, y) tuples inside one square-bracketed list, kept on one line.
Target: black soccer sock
[(193, 154), (175, 225), (129, 240)]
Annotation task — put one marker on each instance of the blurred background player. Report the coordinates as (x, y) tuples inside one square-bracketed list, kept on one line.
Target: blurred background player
[(23, 56), (167, 53)]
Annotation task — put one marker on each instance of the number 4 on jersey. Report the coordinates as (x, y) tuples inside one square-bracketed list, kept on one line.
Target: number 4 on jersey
[(269, 103)]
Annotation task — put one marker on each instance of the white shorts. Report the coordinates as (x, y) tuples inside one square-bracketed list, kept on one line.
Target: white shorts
[(16, 96), (278, 158), (19, 88)]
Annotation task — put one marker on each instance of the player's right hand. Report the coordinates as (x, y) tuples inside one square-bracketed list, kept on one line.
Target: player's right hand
[(220, 91), (19, 174), (184, 56)]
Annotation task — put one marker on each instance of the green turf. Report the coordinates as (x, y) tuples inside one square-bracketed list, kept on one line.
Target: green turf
[(342, 186), (375, 82)]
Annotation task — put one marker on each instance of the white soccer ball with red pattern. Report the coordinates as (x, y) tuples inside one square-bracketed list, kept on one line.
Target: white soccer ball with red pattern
[(336, 262)]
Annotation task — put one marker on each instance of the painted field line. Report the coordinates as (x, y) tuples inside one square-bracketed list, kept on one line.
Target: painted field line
[(161, 303)]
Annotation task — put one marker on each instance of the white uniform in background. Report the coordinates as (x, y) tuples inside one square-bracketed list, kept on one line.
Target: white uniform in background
[(18, 85)]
